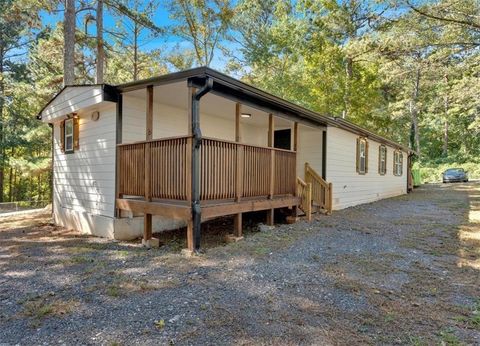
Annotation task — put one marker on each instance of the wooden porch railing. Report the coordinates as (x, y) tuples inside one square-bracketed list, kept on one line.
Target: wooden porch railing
[(304, 191), (228, 170), (321, 190)]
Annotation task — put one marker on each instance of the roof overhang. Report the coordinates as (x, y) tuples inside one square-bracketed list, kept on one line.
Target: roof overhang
[(344, 124), (232, 88), (73, 98)]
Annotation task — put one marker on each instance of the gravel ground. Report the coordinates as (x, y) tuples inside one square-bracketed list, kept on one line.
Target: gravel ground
[(400, 271)]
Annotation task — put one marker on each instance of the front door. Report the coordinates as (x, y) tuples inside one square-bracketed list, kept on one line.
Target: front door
[(282, 139)]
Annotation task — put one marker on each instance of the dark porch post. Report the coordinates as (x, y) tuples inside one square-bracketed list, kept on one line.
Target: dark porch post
[(324, 155), (238, 227), (195, 168), (295, 149), (271, 134), (118, 140), (148, 241)]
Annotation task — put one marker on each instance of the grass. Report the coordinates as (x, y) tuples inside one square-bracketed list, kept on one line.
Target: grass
[(123, 286), (416, 341), (447, 337), (472, 317), (41, 307)]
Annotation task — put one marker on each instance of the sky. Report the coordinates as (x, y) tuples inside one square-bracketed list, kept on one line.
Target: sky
[(160, 18)]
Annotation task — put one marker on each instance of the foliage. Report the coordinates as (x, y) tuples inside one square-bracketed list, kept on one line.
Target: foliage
[(431, 171), (407, 69), (393, 67), (203, 23)]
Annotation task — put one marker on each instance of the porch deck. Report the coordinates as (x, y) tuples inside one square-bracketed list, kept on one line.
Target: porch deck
[(155, 178)]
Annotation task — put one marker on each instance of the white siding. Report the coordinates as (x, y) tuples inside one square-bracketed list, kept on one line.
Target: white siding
[(309, 149), (351, 188), (85, 180), (72, 99), (169, 121)]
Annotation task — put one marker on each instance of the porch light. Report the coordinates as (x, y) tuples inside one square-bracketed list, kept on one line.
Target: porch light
[(245, 115)]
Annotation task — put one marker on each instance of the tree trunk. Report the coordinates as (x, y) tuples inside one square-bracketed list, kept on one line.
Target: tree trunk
[(445, 128), (348, 79), (14, 189), (135, 50), (2, 134), (10, 179), (39, 187), (414, 112), (445, 139), (100, 48), (69, 43)]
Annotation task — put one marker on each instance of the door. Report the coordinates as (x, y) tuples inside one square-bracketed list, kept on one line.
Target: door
[(282, 139)]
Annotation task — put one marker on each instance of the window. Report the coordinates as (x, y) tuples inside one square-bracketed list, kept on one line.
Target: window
[(397, 163), (69, 136), (382, 160), (362, 155), (69, 129)]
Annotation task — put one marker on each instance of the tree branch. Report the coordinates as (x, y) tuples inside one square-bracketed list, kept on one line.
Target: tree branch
[(444, 19)]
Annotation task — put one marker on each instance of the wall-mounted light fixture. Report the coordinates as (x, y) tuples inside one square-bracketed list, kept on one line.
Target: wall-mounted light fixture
[(245, 115)]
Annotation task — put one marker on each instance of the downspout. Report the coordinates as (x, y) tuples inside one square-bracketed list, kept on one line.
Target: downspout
[(197, 141), (52, 178)]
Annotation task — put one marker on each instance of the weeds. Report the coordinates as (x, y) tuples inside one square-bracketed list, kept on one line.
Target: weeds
[(447, 337), (40, 307)]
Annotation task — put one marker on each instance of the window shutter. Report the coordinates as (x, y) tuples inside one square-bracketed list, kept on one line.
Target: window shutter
[(401, 163), (380, 160), (394, 159), (76, 131), (358, 155), (62, 136), (386, 151), (366, 156)]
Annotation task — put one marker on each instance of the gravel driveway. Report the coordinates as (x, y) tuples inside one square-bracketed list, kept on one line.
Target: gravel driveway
[(400, 271)]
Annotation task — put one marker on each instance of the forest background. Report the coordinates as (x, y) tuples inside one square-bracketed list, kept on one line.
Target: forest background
[(406, 69)]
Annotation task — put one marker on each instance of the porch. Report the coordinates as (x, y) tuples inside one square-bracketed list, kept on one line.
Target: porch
[(250, 163), (155, 179)]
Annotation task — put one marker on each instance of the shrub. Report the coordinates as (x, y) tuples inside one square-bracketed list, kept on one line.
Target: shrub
[(432, 171)]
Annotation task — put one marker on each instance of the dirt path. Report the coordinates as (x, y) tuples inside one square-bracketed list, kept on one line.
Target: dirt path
[(400, 271)]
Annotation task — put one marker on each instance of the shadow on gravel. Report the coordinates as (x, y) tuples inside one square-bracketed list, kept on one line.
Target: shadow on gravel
[(399, 271)]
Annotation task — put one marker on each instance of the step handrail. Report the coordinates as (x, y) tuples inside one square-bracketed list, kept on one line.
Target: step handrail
[(304, 191), (321, 189)]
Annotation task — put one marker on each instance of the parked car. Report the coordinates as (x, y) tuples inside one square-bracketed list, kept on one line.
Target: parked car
[(453, 175)]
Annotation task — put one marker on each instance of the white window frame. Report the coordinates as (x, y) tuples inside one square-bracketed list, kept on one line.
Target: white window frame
[(398, 163), (69, 135), (382, 167), (362, 156)]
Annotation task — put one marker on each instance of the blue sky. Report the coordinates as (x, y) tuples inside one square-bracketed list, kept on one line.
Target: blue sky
[(160, 18)]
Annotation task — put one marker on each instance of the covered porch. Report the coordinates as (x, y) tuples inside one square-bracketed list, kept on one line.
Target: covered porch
[(196, 149)]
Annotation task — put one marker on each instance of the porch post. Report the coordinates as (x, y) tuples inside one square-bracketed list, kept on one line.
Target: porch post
[(295, 136), (190, 237), (324, 155), (295, 149), (118, 135), (195, 162), (148, 241), (238, 228), (271, 132)]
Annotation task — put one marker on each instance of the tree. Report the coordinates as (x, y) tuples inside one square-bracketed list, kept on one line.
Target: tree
[(100, 44), (464, 13), (203, 23), (133, 34), (69, 43)]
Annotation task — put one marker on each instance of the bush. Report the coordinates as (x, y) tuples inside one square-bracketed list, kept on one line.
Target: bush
[(432, 171)]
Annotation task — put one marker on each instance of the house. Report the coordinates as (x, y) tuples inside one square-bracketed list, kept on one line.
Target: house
[(179, 149)]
